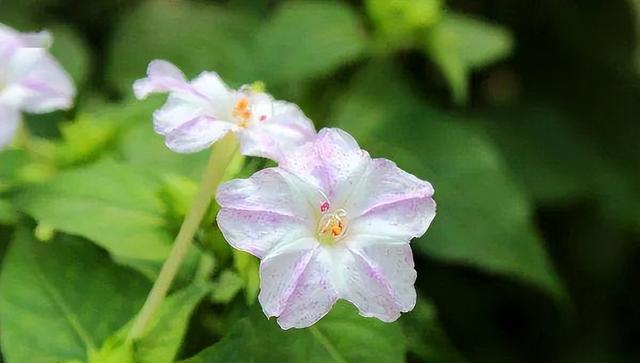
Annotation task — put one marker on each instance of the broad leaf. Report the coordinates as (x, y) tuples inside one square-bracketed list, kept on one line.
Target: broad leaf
[(635, 5), (342, 337), (10, 163), (233, 348), (248, 268), (425, 337), (196, 37), (483, 218), (69, 49), (107, 202), (8, 214), (226, 287), (308, 39), (399, 24), (461, 43), (60, 300), (554, 159), (145, 150), (163, 338), (478, 42)]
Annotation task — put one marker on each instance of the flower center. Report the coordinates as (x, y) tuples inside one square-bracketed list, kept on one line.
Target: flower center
[(332, 226), (242, 111)]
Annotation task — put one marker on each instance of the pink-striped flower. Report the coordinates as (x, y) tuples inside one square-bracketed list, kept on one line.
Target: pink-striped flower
[(329, 223), (200, 112), (31, 80)]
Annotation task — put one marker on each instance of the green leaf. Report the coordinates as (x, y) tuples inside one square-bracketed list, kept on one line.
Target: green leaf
[(478, 43), (61, 300), (342, 337), (141, 147), (163, 338), (483, 218), (8, 215), (83, 140), (552, 157), (248, 268), (11, 161), (308, 39), (21, 14), (70, 50), (425, 337), (194, 36), (93, 134), (107, 202), (635, 8), (461, 43), (398, 23), (231, 349), (226, 287)]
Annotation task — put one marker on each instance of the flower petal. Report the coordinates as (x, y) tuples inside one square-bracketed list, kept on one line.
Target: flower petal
[(175, 112), (40, 39), (9, 121), (270, 208), (394, 261), (269, 190), (273, 137), (257, 232), (390, 202), (385, 183), (39, 84), (162, 76), (296, 285), (11, 39), (213, 88), (400, 220), (378, 278), (333, 162), (197, 134), (280, 272)]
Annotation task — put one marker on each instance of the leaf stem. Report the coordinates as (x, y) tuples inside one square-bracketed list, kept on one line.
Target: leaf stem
[(222, 153)]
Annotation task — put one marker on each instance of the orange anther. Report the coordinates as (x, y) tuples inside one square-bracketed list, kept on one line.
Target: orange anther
[(242, 112)]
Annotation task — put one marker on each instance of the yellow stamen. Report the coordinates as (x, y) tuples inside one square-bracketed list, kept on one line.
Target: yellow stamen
[(332, 226), (242, 111)]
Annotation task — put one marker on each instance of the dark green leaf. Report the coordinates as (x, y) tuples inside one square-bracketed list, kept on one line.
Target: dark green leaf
[(552, 158), (342, 337), (69, 49), (308, 39), (194, 36), (60, 300), (477, 42), (483, 218), (425, 337), (163, 338), (8, 215), (461, 43)]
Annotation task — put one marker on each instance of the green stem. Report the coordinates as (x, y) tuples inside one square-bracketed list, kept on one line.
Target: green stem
[(221, 155), (328, 346)]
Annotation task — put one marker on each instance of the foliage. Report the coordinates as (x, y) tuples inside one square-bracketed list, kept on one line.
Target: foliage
[(522, 115)]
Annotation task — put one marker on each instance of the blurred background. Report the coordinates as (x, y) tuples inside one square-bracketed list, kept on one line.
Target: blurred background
[(523, 114)]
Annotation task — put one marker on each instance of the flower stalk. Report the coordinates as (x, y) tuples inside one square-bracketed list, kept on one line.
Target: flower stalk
[(222, 153)]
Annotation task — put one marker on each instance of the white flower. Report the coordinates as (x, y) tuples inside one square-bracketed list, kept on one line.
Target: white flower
[(31, 80), (200, 112), (329, 223)]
